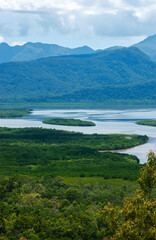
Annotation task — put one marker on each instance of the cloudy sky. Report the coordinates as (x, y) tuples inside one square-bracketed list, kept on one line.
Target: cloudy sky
[(72, 23)]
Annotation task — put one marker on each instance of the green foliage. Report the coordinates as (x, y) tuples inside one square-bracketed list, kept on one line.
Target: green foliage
[(137, 218), (36, 203), (47, 152), (117, 94), (59, 137), (147, 178), (69, 122), (147, 122), (14, 112), (48, 208)]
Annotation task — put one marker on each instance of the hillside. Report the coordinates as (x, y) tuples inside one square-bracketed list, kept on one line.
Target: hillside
[(141, 92), (121, 70), (32, 51), (148, 46)]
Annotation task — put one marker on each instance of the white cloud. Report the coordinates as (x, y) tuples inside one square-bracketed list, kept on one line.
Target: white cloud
[(17, 43), (1, 39), (98, 17)]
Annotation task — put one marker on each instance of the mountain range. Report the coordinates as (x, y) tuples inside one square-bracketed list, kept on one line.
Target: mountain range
[(121, 73), (148, 46), (33, 51)]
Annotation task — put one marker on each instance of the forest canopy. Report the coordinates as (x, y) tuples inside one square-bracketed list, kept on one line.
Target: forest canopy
[(50, 152), (48, 208)]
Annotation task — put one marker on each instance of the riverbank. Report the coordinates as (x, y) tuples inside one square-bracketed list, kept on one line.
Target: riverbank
[(108, 104), (123, 149)]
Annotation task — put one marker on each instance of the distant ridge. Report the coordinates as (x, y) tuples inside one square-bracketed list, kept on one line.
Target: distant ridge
[(148, 46), (113, 48), (32, 51)]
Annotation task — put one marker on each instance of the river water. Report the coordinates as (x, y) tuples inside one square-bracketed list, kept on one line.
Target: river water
[(107, 121)]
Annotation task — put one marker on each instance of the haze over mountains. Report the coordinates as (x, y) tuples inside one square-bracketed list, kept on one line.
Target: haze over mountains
[(33, 51), (148, 46), (120, 74)]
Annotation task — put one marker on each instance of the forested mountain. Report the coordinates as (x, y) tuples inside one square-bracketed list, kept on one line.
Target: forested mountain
[(32, 51), (148, 46), (117, 74), (145, 91)]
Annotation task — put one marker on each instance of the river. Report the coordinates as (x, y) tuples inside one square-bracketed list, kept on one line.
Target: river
[(107, 121)]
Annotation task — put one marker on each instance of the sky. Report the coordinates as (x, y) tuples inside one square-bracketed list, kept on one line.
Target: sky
[(72, 23)]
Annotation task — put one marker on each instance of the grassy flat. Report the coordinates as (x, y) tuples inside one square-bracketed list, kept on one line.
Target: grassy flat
[(69, 122), (147, 122), (98, 180), (15, 112)]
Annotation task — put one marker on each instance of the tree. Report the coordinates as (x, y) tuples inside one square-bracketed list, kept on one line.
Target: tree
[(137, 218)]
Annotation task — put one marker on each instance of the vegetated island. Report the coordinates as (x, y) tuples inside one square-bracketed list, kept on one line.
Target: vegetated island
[(69, 122), (147, 122), (14, 112)]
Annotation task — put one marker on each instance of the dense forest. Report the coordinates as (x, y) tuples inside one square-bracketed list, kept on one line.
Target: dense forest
[(50, 152), (57, 185), (37, 208), (132, 95)]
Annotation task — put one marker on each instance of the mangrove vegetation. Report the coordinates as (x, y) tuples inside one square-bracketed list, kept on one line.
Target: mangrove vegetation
[(50, 152), (69, 122), (147, 122), (14, 112)]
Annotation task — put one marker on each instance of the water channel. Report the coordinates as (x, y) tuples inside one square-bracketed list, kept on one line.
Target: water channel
[(107, 121)]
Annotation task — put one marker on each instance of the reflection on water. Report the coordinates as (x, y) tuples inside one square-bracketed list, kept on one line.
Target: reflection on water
[(107, 121)]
